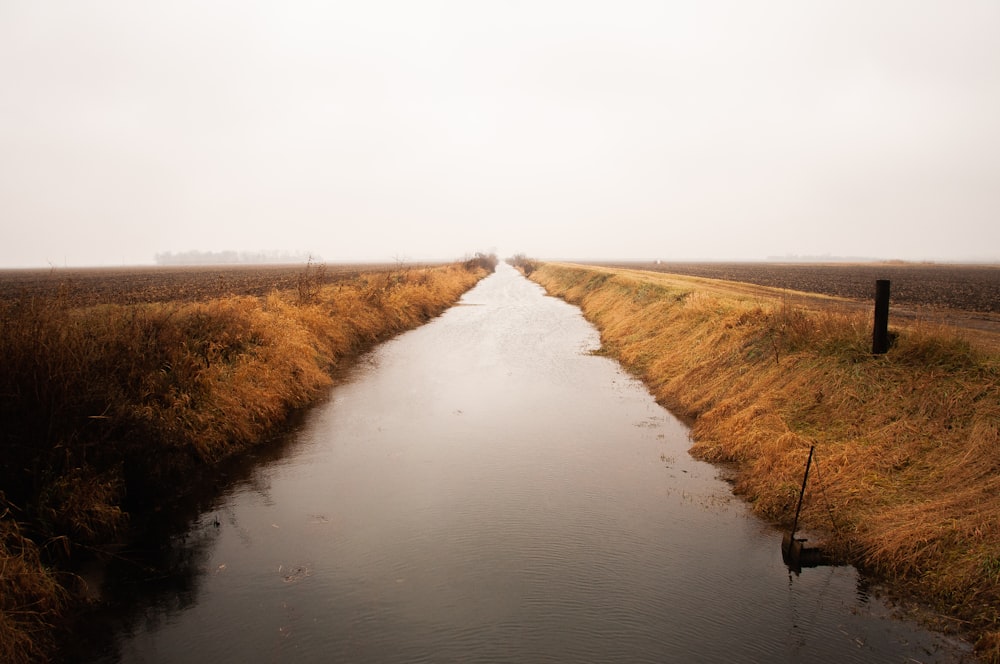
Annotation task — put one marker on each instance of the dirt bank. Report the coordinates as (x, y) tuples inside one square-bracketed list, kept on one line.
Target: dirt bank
[(908, 475)]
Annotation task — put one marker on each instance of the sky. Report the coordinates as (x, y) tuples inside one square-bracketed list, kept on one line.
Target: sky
[(432, 129)]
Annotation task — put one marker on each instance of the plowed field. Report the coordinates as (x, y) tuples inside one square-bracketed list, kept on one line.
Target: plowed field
[(960, 287), (84, 287), (962, 296)]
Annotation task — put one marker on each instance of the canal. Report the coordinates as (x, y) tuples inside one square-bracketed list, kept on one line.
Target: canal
[(486, 489)]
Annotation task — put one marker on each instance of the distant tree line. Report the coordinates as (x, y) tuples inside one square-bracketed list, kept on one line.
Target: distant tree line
[(233, 257), (480, 260)]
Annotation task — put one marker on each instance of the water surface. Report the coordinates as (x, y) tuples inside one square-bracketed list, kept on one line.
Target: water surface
[(485, 489)]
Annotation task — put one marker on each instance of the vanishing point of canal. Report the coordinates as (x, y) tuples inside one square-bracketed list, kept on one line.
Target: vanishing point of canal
[(484, 489)]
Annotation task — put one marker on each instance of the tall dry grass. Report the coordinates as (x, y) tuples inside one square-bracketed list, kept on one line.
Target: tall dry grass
[(907, 481), (31, 597), (105, 408)]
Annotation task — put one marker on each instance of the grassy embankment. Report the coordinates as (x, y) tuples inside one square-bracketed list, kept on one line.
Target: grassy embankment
[(907, 483), (108, 408)]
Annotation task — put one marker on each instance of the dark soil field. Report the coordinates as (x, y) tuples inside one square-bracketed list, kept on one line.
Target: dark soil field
[(90, 286), (962, 296), (959, 287), (970, 288)]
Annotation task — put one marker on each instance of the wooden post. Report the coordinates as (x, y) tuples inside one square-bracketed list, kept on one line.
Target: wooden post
[(791, 548), (880, 336), (802, 491)]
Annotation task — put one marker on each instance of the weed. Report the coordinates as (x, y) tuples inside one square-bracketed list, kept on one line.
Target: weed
[(309, 282), (32, 598), (481, 261), (523, 263)]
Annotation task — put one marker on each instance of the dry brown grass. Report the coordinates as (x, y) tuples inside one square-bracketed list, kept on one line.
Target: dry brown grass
[(908, 479), (121, 401), (31, 597)]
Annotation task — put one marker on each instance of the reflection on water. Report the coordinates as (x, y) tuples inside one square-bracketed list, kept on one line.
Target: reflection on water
[(485, 489)]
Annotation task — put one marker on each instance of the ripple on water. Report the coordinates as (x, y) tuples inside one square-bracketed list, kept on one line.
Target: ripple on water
[(485, 490)]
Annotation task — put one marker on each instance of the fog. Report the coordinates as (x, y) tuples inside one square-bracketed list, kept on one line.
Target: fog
[(360, 131)]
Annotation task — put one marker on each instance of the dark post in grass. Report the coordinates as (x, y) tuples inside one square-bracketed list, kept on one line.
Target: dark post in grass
[(880, 337)]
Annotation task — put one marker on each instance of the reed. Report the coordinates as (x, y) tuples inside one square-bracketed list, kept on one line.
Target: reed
[(108, 408), (31, 599), (908, 474)]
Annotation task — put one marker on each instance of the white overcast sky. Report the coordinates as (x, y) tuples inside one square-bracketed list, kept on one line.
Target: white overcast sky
[(377, 130)]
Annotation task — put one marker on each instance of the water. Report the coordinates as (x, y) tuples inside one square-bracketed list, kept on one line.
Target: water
[(485, 489)]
